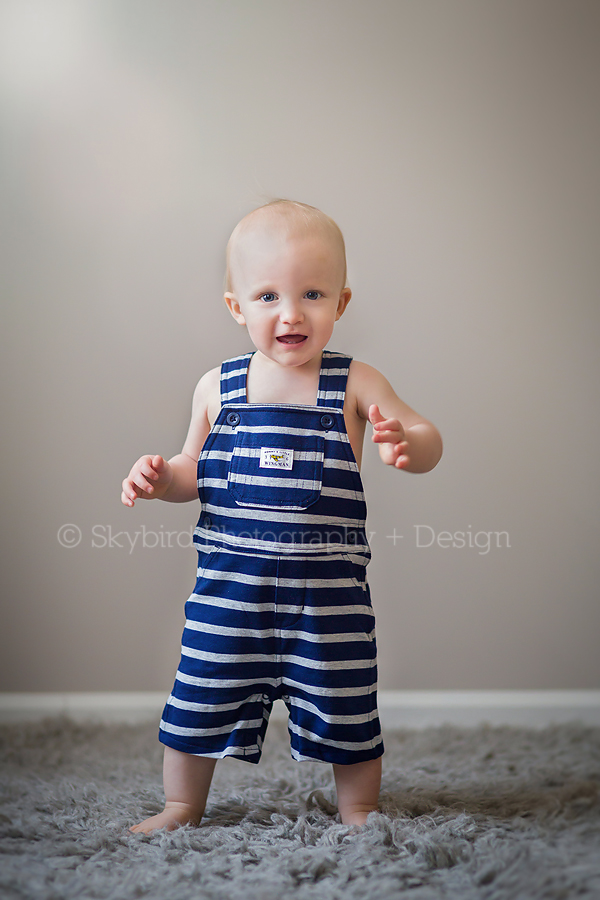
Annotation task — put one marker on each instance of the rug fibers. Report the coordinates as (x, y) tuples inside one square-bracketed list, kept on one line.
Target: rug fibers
[(495, 813)]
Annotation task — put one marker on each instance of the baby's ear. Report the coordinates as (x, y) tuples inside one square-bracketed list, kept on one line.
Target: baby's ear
[(343, 302), (234, 307)]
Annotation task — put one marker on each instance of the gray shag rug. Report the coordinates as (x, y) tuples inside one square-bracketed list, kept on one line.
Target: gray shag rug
[(487, 812)]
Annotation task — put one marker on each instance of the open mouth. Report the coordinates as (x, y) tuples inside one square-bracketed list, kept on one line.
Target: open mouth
[(291, 338)]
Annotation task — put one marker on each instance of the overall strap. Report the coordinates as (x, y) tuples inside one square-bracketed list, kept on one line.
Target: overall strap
[(233, 379), (333, 378)]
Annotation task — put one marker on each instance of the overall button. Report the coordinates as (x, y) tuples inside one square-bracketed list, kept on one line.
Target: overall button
[(327, 421), (233, 419), (266, 698)]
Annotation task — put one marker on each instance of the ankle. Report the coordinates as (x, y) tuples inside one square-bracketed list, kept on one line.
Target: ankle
[(182, 810), (356, 814)]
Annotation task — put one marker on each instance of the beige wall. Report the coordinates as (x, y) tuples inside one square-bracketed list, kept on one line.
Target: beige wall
[(457, 144)]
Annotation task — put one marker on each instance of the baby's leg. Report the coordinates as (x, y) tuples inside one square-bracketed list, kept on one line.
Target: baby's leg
[(186, 781), (357, 790)]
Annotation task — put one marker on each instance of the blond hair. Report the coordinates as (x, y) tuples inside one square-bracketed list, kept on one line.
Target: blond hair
[(291, 217)]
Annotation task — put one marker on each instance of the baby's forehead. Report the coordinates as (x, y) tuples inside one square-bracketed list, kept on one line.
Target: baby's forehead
[(271, 227), (272, 222)]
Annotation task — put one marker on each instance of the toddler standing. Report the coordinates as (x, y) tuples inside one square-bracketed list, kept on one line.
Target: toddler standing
[(281, 605)]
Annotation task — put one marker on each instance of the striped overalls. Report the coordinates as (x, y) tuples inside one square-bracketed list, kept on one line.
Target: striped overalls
[(281, 606)]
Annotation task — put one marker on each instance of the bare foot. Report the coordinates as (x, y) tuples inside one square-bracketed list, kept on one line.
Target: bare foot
[(172, 816), (356, 818)]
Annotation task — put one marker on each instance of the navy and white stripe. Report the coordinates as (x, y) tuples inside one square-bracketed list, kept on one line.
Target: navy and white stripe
[(322, 505), (281, 606)]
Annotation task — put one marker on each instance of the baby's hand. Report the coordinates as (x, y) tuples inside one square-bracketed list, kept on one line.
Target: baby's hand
[(390, 436), (149, 478)]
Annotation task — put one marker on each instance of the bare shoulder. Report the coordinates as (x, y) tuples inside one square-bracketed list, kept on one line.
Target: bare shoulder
[(208, 384), (367, 385), (361, 371), (364, 383), (207, 396), (205, 409)]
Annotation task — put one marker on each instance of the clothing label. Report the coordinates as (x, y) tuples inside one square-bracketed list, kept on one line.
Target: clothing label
[(276, 458)]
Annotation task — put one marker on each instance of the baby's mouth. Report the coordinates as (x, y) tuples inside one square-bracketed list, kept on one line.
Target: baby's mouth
[(291, 338)]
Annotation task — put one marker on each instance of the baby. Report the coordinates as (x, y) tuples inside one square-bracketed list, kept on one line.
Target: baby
[(281, 606)]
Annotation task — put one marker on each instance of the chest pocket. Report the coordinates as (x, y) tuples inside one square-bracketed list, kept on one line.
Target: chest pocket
[(276, 471)]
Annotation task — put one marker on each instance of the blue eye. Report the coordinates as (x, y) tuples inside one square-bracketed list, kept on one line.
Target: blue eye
[(268, 297), (312, 295)]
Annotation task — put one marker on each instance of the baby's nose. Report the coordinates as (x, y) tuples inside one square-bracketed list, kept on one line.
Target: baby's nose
[(291, 312)]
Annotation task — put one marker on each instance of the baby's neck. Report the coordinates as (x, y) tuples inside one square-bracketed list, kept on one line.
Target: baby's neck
[(268, 382)]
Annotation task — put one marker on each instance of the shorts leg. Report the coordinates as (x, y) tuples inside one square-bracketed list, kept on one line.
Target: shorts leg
[(326, 639), (223, 692)]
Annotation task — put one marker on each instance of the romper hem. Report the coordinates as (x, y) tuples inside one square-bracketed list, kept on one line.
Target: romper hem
[(251, 754), (330, 756)]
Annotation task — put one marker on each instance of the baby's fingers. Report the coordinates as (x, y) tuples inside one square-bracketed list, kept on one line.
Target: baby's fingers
[(389, 436), (141, 478), (402, 460), (139, 481), (128, 496), (387, 425), (375, 414), (134, 486), (159, 464), (129, 492), (149, 467)]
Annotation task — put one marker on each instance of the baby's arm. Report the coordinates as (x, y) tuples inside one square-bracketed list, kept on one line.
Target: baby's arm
[(406, 440), (153, 478)]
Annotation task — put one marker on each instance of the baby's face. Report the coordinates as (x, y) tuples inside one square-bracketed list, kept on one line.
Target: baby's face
[(288, 289)]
